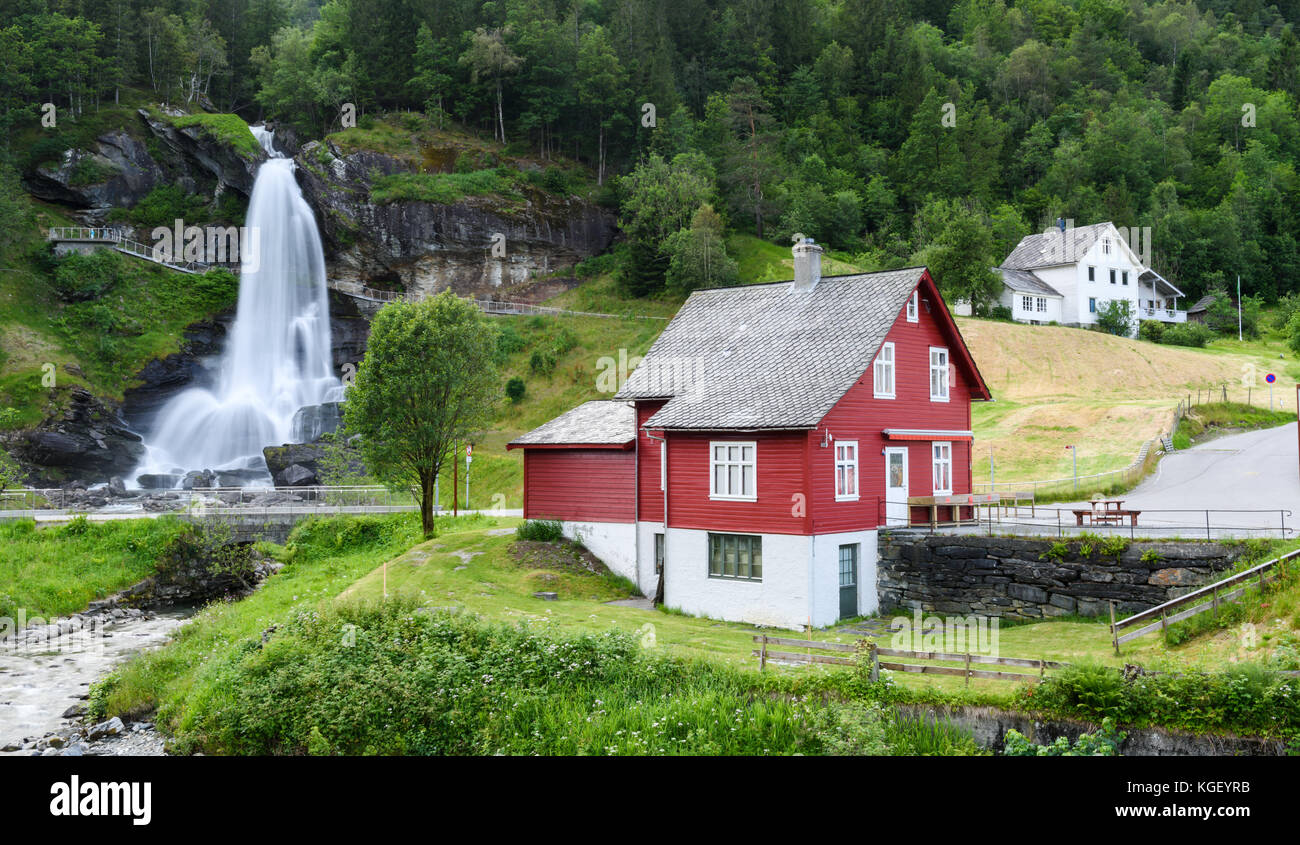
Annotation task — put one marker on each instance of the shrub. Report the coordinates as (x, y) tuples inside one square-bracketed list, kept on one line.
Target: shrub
[(515, 389), (509, 340), (542, 362), (1151, 330), (1057, 552), (1104, 743), (82, 277), (541, 530), (1115, 316), (1001, 312), (1187, 334)]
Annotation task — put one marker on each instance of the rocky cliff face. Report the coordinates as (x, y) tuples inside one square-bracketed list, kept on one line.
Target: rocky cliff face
[(125, 164), (427, 247), (87, 441)]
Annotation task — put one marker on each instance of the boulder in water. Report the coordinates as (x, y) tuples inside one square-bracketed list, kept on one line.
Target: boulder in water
[(158, 481), (312, 421)]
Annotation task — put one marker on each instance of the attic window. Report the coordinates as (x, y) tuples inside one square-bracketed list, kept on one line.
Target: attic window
[(1105, 246), (883, 376), (913, 312)]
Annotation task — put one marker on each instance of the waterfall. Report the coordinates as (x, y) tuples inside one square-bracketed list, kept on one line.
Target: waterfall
[(277, 359)]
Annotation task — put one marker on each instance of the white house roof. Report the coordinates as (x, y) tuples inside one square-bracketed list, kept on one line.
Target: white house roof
[(1156, 279), (600, 422), (767, 357), (1026, 281)]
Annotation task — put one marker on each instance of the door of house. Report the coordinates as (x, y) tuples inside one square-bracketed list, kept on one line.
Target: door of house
[(896, 512), (848, 581)]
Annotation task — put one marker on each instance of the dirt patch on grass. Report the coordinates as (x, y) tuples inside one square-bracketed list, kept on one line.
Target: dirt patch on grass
[(561, 557)]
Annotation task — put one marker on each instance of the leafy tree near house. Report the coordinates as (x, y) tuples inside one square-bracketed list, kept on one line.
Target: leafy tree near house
[(428, 383), (1115, 316), (698, 255)]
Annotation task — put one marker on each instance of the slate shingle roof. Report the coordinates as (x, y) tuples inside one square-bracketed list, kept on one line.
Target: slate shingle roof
[(598, 422), (766, 357), (1053, 248), (1025, 281)]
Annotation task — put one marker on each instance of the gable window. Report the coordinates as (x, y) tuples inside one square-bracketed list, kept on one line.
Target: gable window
[(732, 467), (938, 374), (1027, 303), (913, 310), (736, 556), (1042, 304), (883, 375), (1112, 275), (846, 470), (1092, 305), (942, 468), (1092, 273), (1105, 246)]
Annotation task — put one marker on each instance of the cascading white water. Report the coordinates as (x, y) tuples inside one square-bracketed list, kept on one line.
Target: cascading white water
[(277, 358)]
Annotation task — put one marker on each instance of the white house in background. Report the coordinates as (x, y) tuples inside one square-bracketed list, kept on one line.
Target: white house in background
[(1068, 274)]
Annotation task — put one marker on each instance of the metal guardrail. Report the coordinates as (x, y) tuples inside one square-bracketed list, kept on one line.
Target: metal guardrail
[(497, 307), (117, 239), (1227, 589)]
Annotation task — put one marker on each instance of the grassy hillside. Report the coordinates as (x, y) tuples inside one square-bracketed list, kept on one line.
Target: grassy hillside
[(1056, 386)]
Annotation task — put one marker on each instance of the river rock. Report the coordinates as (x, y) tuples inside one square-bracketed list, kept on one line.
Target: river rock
[(158, 482), (84, 439), (112, 727), (116, 486)]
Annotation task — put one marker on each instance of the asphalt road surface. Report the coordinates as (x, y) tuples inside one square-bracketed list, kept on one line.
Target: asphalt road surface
[(1252, 471)]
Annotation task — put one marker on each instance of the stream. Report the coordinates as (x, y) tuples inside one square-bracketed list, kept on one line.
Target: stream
[(39, 682)]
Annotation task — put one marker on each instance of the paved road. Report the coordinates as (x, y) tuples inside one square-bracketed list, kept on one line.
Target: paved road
[(1255, 470)]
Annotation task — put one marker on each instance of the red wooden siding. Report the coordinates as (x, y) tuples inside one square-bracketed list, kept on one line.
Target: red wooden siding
[(778, 480), (651, 496), (583, 485), (862, 417)]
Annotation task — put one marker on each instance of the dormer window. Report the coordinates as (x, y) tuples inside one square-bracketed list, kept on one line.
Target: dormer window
[(913, 312)]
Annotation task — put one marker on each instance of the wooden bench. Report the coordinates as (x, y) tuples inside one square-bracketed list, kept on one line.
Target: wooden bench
[(1105, 517), (954, 502)]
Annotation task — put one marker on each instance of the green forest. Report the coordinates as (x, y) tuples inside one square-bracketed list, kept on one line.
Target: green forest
[(932, 132)]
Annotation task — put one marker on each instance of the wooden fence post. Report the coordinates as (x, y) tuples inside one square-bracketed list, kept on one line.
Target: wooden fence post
[(968, 668), (762, 657), (1114, 634), (875, 663)]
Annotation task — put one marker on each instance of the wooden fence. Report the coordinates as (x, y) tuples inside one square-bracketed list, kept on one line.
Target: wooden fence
[(1162, 616), (875, 652)]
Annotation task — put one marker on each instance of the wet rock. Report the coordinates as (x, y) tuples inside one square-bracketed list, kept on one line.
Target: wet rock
[(296, 475), (76, 711), (159, 481)]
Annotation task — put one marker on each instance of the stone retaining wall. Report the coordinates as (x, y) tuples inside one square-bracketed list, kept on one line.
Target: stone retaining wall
[(1019, 578)]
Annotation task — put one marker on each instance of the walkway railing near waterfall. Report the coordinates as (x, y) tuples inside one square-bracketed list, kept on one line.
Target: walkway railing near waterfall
[(116, 239), (488, 306), (341, 498)]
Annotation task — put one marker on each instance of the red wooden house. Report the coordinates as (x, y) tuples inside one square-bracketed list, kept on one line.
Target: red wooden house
[(778, 426)]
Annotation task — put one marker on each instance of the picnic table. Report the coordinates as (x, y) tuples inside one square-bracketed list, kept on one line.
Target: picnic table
[(1106, 512)]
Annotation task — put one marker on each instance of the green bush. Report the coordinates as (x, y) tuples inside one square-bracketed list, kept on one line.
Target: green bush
[(1187, 334), (78, 278), (1151, 330), (515, 390), (541, 530), (1104, 743), (542, 362), (1002, 312)]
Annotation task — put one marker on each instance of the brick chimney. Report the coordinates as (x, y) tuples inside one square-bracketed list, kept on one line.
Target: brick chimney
[(807, 265)]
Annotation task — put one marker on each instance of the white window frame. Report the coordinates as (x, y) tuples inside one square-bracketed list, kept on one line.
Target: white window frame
[(879, 368), (1026, 303), (941, 457), (1105, 246), (1042, 305), (846, 468), (741, 464), (914, 307), (945, 369)]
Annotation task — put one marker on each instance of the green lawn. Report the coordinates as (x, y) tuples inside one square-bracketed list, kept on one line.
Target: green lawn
[(58, 571)]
